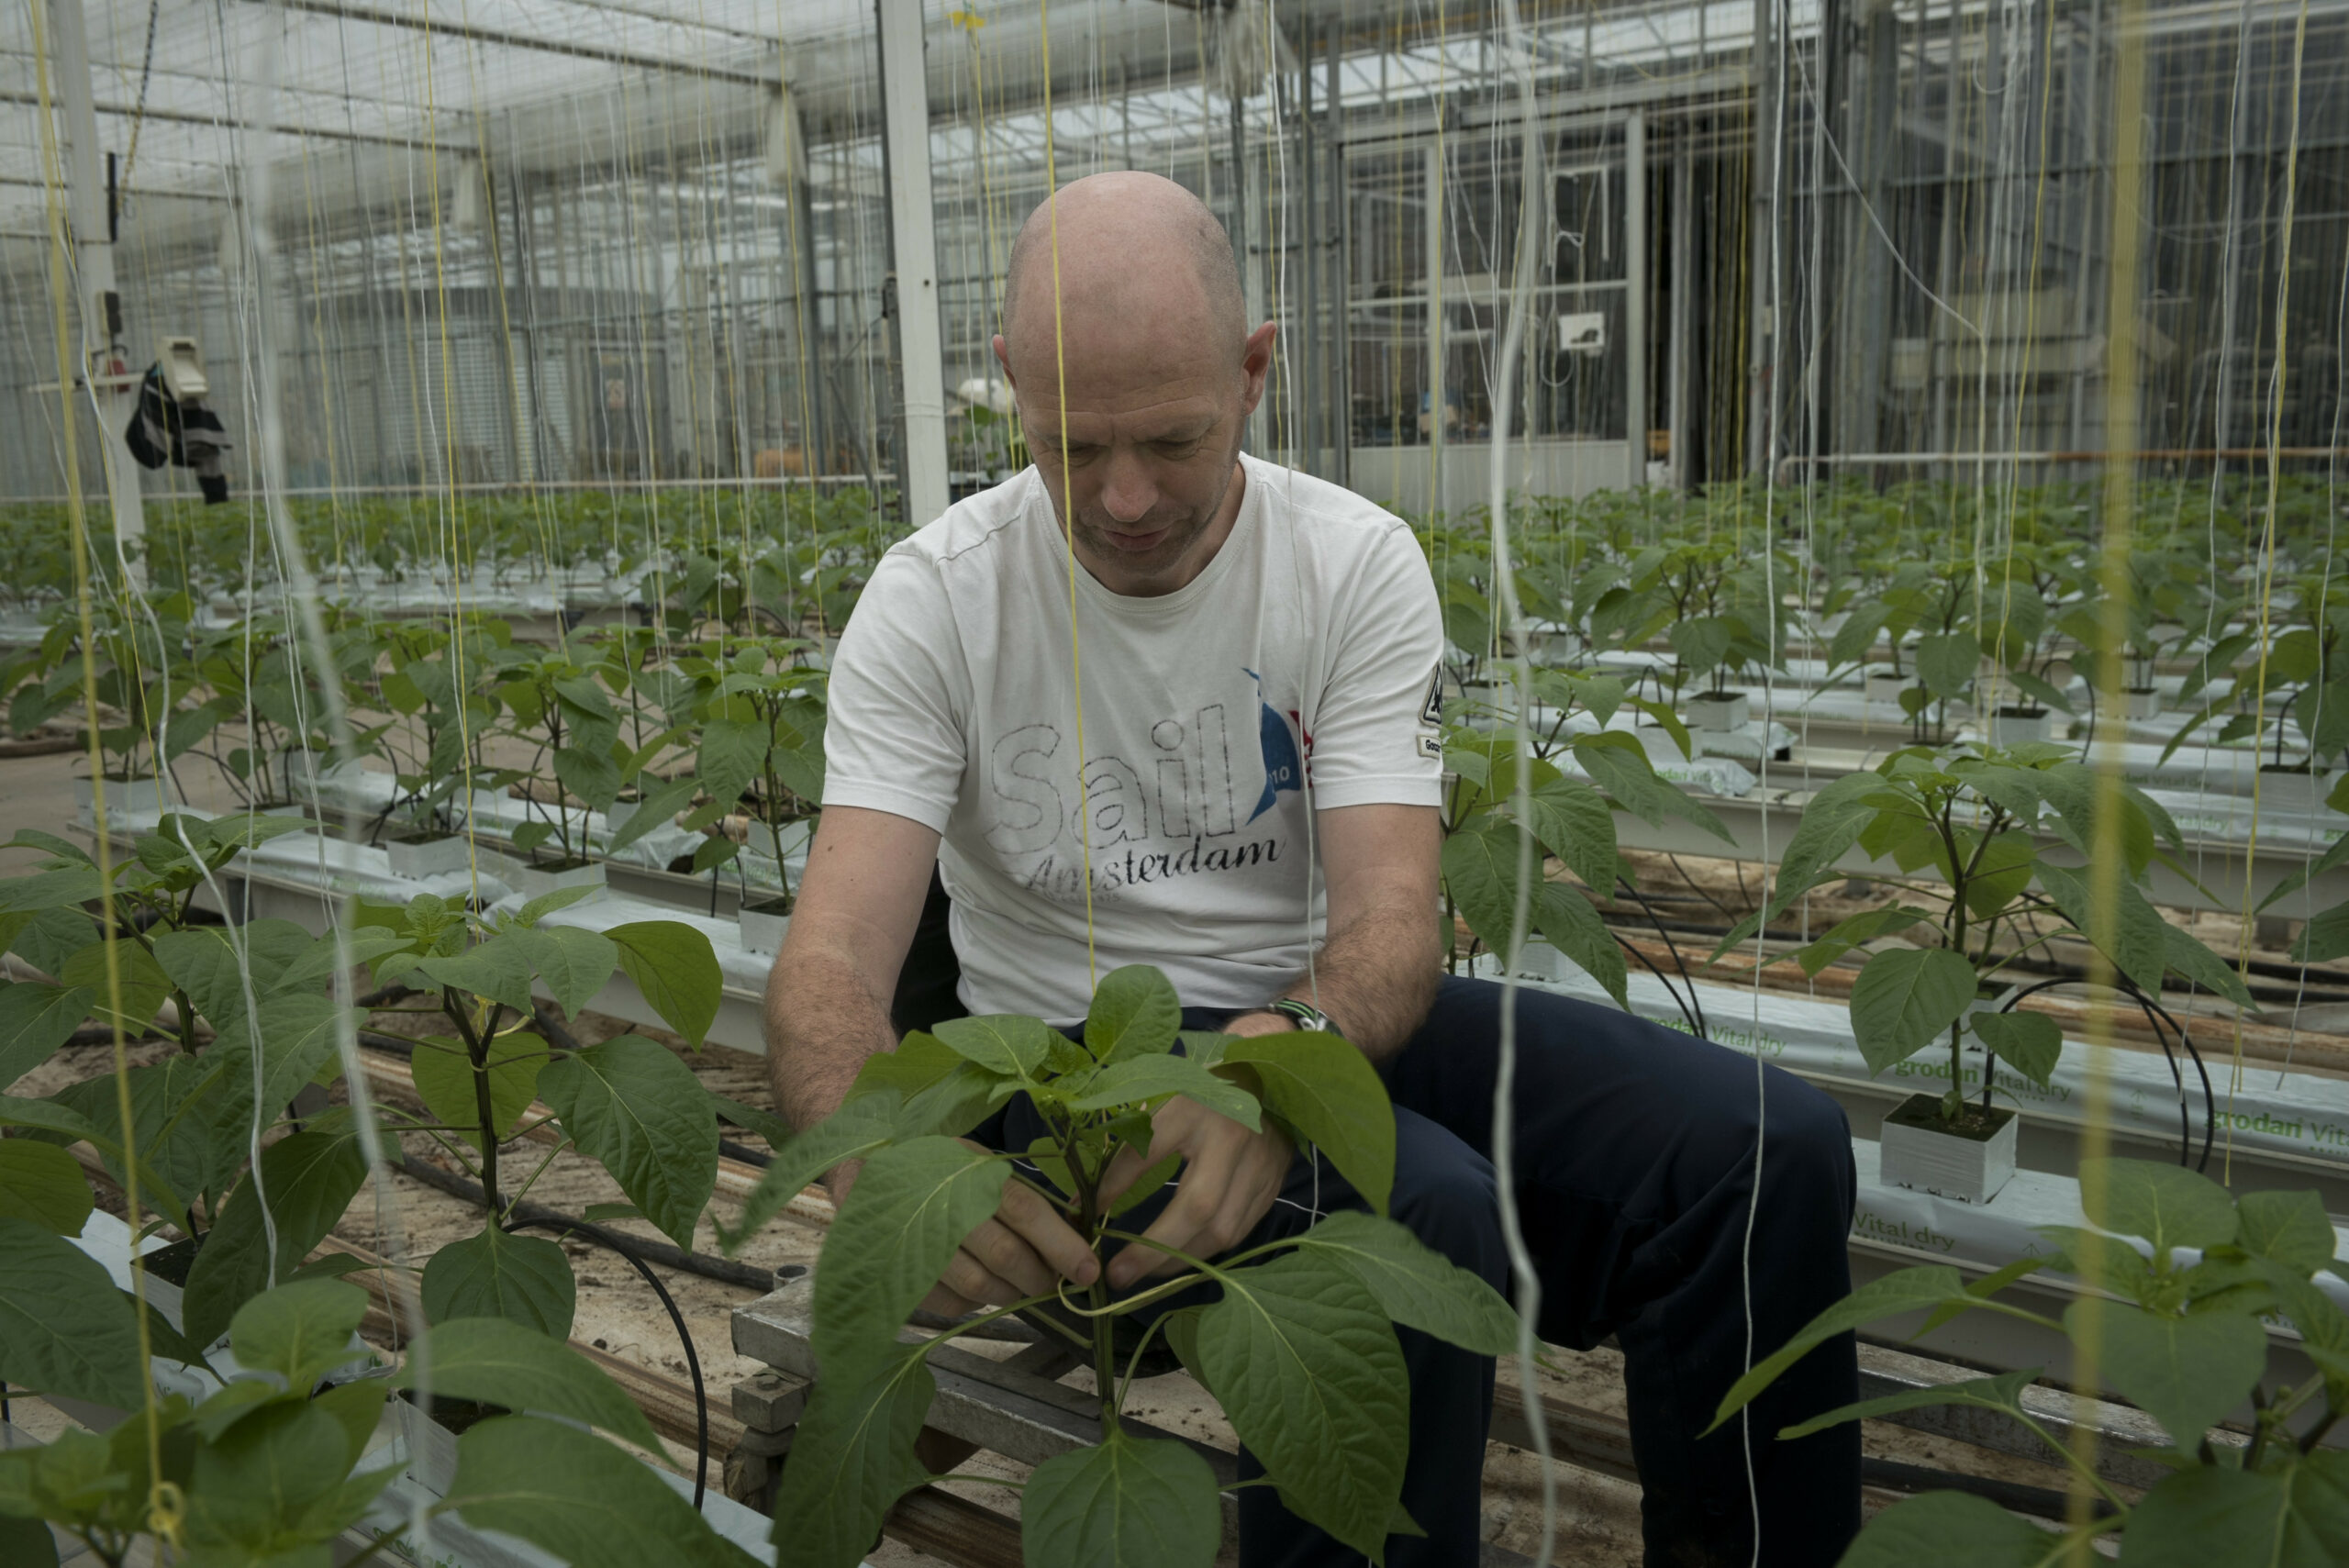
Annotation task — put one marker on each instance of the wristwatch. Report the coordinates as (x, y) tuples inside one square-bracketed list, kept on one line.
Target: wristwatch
[(1304, 1016)]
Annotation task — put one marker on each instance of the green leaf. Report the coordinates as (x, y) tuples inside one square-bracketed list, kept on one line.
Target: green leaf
[(300, 1331), (1001, 1042), (731, 751), (2302, 876), (675, 966), (2186, 1373), (1947, 661), (2291, 1228), (1619, 765), (1125, 1504), (27, 1543), (2003, 1392), (1850, 932), (2029, 1042), (911, 1206), (36, 1017), (1480, 873), (444, 1081), (311, 1178), (1576, 824), (2003, 870), (48, 889), (1952, 1529), (2168, 1205), (1902, 1291), (658, 809), (42, 1183), (2325, 937), (1830, 825), (2133, 934), (498, 1362), (2188, 956), (576, 1496), (523, 1280), (1308, 1370), (2295, 1518), (750, 1118), (1326, 1090), (1904, 998), (139, 983), (64, 1328), (593, 777), (856, 1129), (852, 1458), (533, 913), (1700, 643), (1148, 1077), (1416, 1285), (496, 968), (1134, 1013), (173, 1104), (633, 1106), (280, 1477)]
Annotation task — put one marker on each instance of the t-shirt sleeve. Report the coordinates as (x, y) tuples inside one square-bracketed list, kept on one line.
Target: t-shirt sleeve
[(1376, 735), (894, 732)]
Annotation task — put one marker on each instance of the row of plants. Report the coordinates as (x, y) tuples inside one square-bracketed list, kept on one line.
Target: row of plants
[(806, 539), (691, 718), (1723, 585), (269, 1468)]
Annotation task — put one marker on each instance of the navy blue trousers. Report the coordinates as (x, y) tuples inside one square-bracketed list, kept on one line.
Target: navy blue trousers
[(1636, 1150)]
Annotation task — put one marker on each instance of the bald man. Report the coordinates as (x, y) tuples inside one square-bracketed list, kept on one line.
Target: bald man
[(1260, 765)]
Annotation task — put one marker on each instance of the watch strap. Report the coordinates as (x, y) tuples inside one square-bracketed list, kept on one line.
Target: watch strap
[(1304, 1016)]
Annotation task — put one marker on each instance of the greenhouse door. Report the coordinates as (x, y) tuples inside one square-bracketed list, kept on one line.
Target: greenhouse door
[(1584, 366)]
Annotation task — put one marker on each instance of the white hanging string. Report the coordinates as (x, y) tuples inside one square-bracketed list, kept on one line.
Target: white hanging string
[(1518, 54)]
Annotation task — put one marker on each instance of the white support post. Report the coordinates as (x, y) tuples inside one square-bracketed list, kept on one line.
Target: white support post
[(906, 104), (68, 46), (1635, 296)]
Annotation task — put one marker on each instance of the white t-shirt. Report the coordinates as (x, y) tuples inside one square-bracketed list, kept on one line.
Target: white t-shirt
[(1313, 633)]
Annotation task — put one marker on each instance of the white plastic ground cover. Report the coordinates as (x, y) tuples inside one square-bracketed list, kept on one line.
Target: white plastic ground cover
[(2273, 1109), (350, 786), (331, 864)]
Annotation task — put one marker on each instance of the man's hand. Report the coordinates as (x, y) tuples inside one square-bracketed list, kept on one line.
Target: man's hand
[(1018, 1253), (1228, 1181)]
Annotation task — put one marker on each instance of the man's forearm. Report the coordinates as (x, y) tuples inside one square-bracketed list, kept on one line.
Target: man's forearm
[(1377, 978), (822, 1022)]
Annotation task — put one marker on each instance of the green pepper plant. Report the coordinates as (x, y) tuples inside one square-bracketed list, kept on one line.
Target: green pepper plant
[(1974, 817), (1570, 817), (627, 1102), (276, 1465), (2190, 1276), (1299, 1347)]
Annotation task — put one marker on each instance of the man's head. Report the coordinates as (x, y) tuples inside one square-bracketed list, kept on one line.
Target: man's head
[(1122, 306)]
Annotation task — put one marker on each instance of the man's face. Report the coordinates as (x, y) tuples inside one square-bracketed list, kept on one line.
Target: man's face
[(1143, 468)]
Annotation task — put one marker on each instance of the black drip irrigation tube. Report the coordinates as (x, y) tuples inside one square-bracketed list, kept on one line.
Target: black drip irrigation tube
[(580, 1227), (640, 1255), (2155, 1014)]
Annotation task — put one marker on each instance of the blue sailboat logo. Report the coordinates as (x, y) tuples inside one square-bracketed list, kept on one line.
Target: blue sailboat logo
[(1284, 769)]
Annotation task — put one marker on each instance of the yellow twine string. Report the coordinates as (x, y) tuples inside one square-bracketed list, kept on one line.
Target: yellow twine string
[(162, 1516), (1068, 523), (2125, 227)]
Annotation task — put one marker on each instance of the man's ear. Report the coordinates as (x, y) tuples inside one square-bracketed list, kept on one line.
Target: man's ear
[(1003, 358), (1255, 364)]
